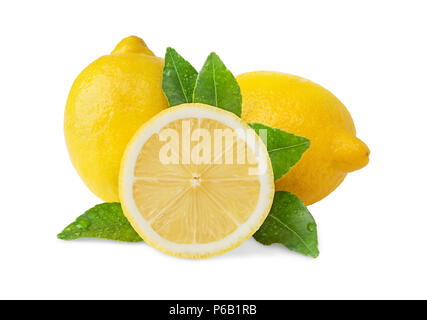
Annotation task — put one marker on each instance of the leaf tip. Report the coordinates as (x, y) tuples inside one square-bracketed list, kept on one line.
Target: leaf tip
[(214, 58), (170, 50), (61, 236), (315, 254)]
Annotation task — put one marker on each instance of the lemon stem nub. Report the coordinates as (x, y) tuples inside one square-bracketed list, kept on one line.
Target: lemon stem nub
[(132, 44), (350, 153)]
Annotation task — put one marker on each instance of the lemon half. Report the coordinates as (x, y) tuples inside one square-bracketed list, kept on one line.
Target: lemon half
[(196, 181)]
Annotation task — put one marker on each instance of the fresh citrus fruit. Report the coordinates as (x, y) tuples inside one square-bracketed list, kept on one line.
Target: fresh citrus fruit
[(107, 103), (305, 108), (196, 181)]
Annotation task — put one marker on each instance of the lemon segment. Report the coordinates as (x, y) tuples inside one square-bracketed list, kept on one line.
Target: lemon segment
[(196, 181)]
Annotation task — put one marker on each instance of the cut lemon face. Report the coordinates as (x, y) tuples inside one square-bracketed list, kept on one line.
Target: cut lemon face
[(196, 181)]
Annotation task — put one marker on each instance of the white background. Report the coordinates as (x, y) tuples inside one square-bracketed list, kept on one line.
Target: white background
[(372, 229)]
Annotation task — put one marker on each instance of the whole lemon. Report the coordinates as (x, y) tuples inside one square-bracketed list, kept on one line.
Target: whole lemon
[(108, 102), (303, 107)]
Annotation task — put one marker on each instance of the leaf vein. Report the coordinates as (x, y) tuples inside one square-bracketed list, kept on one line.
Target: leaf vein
[(214, 81), (179, 79), (293, 231), (288, 147)]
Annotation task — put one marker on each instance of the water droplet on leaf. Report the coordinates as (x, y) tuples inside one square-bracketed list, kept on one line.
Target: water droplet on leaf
[(82, 224)]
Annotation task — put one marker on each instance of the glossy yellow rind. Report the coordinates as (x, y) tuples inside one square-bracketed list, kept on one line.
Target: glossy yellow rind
[(108, 102), (302, 107)]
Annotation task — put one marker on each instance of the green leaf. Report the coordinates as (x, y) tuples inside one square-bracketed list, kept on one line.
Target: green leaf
[(103, 221), (290, 224), (179, 79), (216, 86), (285, 149)]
